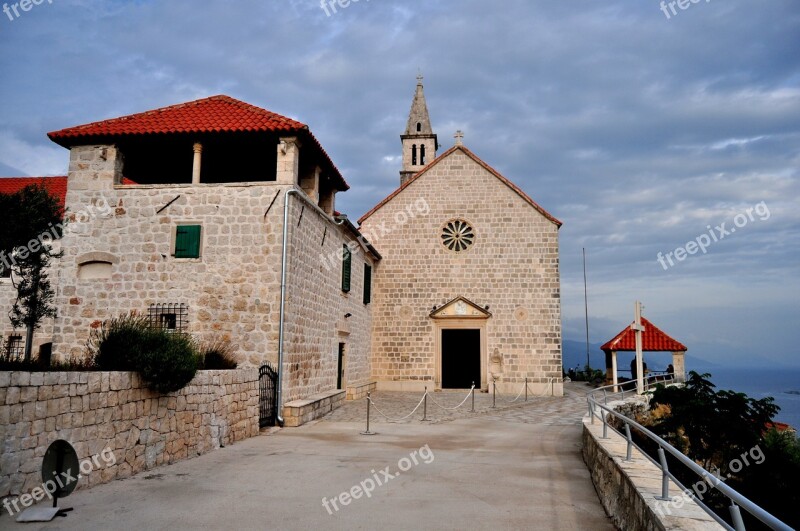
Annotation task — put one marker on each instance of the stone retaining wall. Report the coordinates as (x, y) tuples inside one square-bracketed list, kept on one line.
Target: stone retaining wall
[(357, 392), (96, 411), (628, 489), (299, 412)]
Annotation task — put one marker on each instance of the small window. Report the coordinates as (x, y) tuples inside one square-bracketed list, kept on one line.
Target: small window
[(12, 350), (347, 262), (422, 155), (367, 283), (419, 127), (414, 155), (173, 318), (187, 241)]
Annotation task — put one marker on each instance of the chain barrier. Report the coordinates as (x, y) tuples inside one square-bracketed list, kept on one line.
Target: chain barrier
[(390, 419), (458, 406), (471, 394)]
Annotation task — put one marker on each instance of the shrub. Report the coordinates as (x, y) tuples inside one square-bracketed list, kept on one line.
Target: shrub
[(118, 344), (166, 361), (169, 362), (71, 364), (218, 355)]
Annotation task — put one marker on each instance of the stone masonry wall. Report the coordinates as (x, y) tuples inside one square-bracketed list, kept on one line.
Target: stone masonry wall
[(512, 267), (98, 410), (232, 290), (629, 490), (316, 307)]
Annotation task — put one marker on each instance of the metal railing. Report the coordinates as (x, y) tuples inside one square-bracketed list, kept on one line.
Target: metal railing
[(737, 501)]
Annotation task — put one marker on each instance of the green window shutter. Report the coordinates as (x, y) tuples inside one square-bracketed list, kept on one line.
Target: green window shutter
[(187, 241), (367, 283), (347, 262)]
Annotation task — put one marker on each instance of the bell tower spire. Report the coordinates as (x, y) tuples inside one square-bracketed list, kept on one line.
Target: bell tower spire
[(419, 141)]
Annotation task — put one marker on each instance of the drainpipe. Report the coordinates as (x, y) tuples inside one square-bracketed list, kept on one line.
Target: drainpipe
[(284, 259)]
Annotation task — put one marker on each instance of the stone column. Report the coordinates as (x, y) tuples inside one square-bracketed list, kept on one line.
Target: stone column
[(615, 377), (288, 169), (310, 183), (679, 364), (198, 157)]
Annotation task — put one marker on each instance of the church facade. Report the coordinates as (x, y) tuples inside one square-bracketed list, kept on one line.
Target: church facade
[(217, 218), (470, 291)]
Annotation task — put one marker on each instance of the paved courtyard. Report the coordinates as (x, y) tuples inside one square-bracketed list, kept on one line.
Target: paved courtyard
[(518, 467), (445, 406)]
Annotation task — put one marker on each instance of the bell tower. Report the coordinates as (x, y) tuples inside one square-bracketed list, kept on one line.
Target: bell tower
[(419, 141)]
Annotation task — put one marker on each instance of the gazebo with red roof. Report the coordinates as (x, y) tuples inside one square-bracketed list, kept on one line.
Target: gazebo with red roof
[(653, 340)]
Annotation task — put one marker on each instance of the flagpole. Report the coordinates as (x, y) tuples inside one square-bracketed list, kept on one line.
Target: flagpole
[(586, 307)]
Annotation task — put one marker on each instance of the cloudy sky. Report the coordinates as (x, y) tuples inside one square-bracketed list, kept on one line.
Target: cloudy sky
[(638, 129)]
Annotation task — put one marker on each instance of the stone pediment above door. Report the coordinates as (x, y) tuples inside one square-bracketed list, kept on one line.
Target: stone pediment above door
[(460, 308)]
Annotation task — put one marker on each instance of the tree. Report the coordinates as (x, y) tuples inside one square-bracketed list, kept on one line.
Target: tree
[(33, 218), (712, 427)]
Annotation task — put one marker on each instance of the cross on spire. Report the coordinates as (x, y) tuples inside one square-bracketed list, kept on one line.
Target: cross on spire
[(459, 136), (419, 78)]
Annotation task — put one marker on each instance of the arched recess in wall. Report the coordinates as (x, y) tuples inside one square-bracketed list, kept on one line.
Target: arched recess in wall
[(96, 265)]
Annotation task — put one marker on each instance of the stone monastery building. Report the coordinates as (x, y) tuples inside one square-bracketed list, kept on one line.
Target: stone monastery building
[(218, 218)]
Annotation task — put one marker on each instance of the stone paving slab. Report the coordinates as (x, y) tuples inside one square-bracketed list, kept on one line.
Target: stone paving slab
[(394, 407)]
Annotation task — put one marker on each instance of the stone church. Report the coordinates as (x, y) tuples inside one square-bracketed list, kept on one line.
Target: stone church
[(469, 292), (217, 218)]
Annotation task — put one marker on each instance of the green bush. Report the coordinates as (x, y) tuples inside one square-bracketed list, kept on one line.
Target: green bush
[(169, 362), (119, 343), (166, 361), (218, 355)]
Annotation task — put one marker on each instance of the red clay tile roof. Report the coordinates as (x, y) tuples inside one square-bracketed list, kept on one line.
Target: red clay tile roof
[(216, 114), (210, 115), (56, 186), (779, 426), (477, 159), (653, 340)]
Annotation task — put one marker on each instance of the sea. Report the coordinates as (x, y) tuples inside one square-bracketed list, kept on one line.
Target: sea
[(781, 384)]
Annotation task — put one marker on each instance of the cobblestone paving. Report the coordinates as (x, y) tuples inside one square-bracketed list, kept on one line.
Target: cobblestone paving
[(553, 411)]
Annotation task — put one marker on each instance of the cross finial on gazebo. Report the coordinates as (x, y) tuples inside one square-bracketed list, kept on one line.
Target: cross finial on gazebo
[(459, 136)]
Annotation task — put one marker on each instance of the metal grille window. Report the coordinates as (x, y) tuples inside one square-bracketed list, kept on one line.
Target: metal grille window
[(173, 318), (12, 350)]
